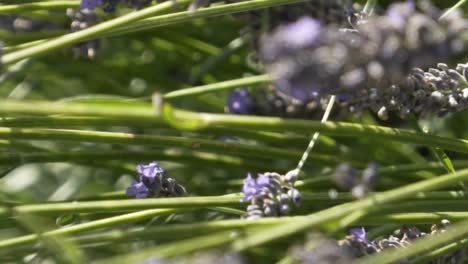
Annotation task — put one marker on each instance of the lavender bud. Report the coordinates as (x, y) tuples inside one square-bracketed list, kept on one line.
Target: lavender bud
[(153, 183), (296, 197)]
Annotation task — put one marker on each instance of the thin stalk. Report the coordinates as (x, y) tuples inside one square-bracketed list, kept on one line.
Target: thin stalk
[(102, 223), (20, 8), (176, 230), (173, 249), (152, 140), (315, 137), (441, 251), (176, 155), (219, 86), (459, 4)]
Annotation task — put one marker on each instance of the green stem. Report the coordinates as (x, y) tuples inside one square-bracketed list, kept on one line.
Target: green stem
[(219, 86), (177, 230), (335, 213), (176, 155), (102, 223), (155, 140), (212, 11), (173, 249), (196, 121), (15, 9), (441, 251)]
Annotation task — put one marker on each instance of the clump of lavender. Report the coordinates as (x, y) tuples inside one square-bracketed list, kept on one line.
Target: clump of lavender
[(357, 245), (154, 183), (311, 60), (347, 177), (270, 194), (83, 19), (437, 91)]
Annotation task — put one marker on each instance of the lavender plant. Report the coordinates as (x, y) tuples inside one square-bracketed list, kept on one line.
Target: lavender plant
[(176, 77)]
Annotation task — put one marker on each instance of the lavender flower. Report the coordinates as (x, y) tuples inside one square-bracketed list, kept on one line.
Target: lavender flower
[(380, 52), (139, 190), (153, 183), (91, 4), (269, 194)]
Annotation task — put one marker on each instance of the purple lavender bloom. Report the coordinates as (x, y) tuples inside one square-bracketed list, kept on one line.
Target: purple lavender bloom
[(150, 174), (139, 190), (107, 5), (302, 33), (360, 234), (240, 101), (250, 188), (90, 4)]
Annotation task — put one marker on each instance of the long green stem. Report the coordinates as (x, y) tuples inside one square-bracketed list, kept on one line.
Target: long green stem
[(199, 121), (12, 9), (152, 140), (176, 155), (163, 232), (107, 222)]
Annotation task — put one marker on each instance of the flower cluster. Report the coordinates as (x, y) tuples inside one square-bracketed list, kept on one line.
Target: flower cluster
[(311, 60), (83, 19), (357, 244), (270, 194), (153, 183), (347, 177), (360, 246), (437, 91)]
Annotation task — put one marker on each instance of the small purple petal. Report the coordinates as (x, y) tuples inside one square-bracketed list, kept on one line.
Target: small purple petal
[(90, 4), (139, 190), (360, 234)]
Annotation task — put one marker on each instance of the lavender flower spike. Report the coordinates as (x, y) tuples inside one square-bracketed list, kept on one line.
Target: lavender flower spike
[(250, 188), (270, 194)]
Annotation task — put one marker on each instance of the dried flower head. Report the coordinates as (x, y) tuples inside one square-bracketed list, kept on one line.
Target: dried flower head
[(153, 183), (270, 195)]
